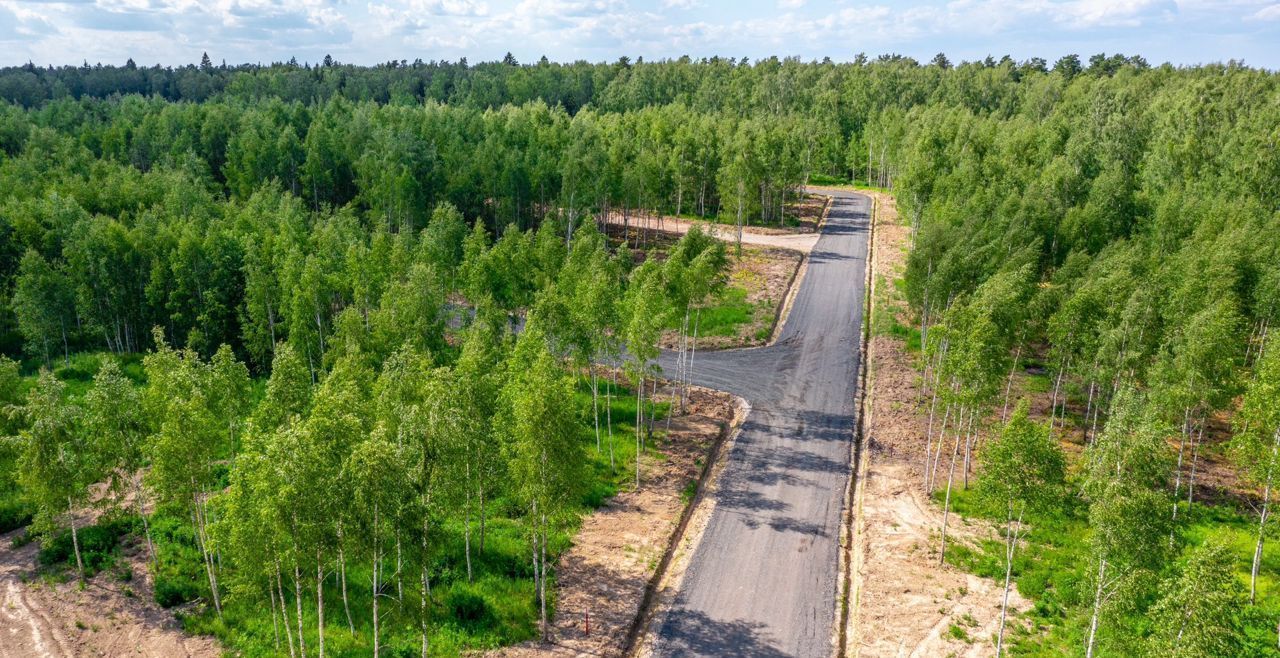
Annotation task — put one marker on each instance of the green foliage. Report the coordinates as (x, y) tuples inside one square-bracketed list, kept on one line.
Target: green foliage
[(99, 546), (1199, 611)]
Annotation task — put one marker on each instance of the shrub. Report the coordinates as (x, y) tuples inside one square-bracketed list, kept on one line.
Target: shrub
[(469, 608)]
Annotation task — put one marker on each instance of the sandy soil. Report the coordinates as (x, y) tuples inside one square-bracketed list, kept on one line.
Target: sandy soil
[(903, 602), (751, 235), (619, 549), (106, 618)]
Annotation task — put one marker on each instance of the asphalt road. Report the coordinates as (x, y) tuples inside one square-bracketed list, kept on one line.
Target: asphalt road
[(763, 579)]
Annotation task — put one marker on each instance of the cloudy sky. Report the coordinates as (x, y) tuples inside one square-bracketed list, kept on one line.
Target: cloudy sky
[(370, 31)]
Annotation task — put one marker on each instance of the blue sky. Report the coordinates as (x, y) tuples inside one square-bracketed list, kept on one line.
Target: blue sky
[(370, 31)]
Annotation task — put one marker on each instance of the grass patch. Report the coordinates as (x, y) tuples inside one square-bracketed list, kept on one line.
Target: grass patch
[(890, 305), (728, 311), (1050, 570), (99, 547)]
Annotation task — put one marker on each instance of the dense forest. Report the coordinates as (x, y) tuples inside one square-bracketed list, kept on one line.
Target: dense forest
[(287, 293)]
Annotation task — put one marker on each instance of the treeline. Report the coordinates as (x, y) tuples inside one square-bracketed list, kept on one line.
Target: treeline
[(848, 92), (127, 198), (227, 223), (1123, 232)]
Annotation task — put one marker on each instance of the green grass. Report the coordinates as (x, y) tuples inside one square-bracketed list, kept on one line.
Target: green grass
[(1049, 570), (889, 304), (728, 311)]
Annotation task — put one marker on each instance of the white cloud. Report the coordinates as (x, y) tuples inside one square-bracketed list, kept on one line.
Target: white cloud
[(1106, 13), (177, 31), (1270, 13)]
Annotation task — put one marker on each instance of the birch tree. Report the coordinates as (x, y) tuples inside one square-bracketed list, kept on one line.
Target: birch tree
[(1200, 609), (1022, 469), (373, 472), (543, 430), (55, 465), (1255, 447), (188, 439), (1127, 470), (114, 421)]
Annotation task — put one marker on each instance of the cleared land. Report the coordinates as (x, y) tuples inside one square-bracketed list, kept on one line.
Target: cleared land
[(903, 602), (42, 617)]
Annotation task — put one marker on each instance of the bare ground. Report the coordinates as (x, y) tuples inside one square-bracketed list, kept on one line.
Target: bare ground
[(619, 548), (41, 617), (903, 602), (638, 225)]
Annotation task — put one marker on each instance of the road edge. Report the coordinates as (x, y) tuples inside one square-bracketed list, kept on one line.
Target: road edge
[(851, 554), (652, 605)]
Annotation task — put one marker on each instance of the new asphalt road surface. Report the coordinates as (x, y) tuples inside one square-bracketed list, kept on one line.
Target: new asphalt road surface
[(763, 579)]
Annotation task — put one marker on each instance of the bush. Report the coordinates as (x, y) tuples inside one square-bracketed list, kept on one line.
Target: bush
[(172, 591), (469, 608), (99, 545), (14, 513)]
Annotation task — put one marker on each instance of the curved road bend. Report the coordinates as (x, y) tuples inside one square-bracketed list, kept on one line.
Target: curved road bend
[(763, 579)]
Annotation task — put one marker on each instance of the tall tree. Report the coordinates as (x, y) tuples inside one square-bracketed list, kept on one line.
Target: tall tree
[(55, 466)]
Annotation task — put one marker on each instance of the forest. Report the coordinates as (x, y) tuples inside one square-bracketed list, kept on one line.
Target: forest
[(265, 318)]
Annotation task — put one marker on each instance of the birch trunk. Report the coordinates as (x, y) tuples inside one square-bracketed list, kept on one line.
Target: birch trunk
[(284, 609), (342, 580), (466, 526), (275, 619), (375, 580), (1195, 461), (146, 526), (320, 601), (426, 590), (946, 507), (75, 539), (1262, 519), (608, 417), (595, 404), (1097, 606), (639, 430), (297, 599), (542, 584), (1010, 547)]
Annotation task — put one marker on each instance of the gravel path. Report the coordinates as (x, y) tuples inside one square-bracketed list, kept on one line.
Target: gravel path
[(763, 580)]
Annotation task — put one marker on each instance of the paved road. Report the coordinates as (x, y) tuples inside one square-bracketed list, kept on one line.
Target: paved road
[(763, 580)]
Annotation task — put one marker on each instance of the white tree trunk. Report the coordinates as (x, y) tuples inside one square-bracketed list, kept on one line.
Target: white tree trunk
[(297, 599), (342, 579), (320, 601), (1011, 545), (946, 507), (1097, 608), (284, 610), (75, 539)]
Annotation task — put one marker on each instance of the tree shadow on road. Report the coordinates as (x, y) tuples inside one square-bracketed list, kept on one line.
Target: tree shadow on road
[(692, 633)]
